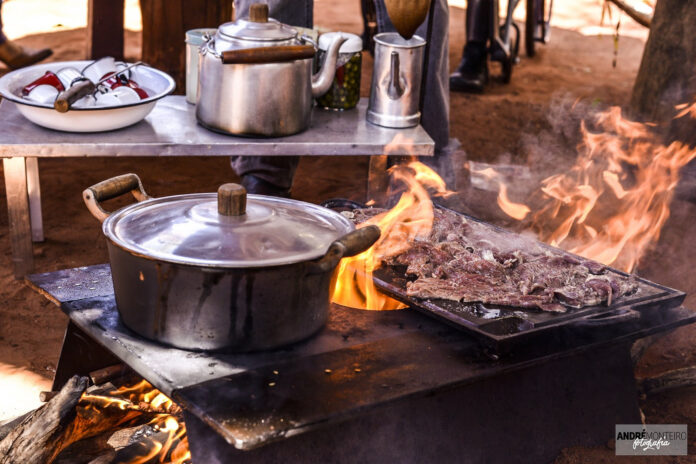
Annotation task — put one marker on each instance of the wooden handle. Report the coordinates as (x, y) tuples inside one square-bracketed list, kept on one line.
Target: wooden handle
[(351, 244), (116, 186), (112, 188), (76, 91), (258, 13), (268, 54), (231, 200), (359, 240)]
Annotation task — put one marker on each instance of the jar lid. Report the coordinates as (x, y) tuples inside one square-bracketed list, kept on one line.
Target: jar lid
[(188, 229), (197, 36), (354, 43)]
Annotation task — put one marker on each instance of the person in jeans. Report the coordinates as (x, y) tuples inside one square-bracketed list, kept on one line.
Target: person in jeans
[(472, 73), (14, 55), (272, 175)]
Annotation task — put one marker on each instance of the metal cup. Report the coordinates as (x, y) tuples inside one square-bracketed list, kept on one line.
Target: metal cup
[(119, 96), (43, 93), (49, 78), (396, 81), (69, 76), (121, 80), (97, 70)]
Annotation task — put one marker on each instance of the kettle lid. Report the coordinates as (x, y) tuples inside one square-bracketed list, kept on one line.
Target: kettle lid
[(258, 27)]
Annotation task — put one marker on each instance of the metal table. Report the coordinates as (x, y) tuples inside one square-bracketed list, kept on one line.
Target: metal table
[(171, 130)]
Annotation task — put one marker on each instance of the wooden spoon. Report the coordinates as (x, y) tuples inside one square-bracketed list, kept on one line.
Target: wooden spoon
[(407, 15)]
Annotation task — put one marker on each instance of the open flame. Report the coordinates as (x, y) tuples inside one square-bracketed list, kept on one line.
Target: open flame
[(411, 219), (612, 204), (609, 207), (514, 210), (98, 413), (174, 448)]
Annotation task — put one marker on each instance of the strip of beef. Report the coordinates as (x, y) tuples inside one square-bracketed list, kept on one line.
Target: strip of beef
[(471, 262), (475, 289)]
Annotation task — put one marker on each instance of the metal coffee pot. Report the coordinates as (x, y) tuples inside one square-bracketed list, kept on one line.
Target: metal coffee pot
[(255, 77), (396, 81)]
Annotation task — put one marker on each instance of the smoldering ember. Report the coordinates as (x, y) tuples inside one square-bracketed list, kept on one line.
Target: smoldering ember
[(347, 231)]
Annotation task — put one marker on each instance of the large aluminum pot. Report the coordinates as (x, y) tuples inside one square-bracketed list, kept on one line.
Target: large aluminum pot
[(213, 271), (255, 77)]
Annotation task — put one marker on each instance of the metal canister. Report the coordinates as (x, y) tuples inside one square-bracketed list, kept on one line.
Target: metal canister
[(344, 92), (396, 81), (194, 39)]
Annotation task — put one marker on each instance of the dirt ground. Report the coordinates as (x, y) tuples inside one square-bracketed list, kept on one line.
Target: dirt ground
[(501, 124)]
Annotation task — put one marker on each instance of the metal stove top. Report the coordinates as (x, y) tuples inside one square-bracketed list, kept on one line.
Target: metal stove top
[(360, 360)]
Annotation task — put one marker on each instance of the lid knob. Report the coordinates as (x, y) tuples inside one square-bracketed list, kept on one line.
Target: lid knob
[(258, 13), (231, 200)]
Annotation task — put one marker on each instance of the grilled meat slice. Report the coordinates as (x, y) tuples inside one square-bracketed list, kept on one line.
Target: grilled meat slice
[(466, 261)]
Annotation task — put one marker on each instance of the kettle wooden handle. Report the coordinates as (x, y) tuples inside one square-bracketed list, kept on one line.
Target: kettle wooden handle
[(268, 54), (76, 91)]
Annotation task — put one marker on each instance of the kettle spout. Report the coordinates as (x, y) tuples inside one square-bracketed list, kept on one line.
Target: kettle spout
[(322, 80)]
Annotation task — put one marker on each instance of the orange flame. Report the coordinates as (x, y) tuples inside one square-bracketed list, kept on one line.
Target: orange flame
[(411, 219), (144, 393), (96, 413), (514, 210), (612, 204)]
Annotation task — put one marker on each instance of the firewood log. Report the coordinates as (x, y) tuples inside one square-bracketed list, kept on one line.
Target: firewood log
[(137, 451), (7, 426), (41, 436)]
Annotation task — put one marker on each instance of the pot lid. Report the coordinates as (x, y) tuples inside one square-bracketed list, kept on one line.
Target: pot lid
[(258, 27), (195, 229)]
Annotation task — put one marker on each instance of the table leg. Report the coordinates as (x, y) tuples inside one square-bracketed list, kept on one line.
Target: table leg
[(18, 212), (34, 190)]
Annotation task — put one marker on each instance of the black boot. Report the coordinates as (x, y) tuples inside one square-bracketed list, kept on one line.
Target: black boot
[(254, 184), (472, 73)]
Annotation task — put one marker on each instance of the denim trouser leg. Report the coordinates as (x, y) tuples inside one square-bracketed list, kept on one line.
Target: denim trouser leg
[(278, 170), (435, 117)]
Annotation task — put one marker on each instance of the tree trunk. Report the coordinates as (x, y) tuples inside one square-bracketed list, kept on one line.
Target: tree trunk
[(165, 23), (667, 74)]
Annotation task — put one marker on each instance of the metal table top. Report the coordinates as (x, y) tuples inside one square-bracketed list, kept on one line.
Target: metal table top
[(171, 130)]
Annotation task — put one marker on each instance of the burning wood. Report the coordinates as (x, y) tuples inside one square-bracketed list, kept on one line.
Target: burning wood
[(42, 435), (76, 414)]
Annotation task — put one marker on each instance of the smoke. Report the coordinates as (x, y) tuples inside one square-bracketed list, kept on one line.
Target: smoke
[(594, 182)]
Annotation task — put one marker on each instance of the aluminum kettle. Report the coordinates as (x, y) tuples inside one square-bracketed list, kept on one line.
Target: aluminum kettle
[(255, 77)]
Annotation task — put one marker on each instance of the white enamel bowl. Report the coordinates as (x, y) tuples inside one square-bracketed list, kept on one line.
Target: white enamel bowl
[(156, 83)]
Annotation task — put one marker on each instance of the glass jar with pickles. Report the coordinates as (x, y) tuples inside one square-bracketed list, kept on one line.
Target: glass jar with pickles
[(344, 92)]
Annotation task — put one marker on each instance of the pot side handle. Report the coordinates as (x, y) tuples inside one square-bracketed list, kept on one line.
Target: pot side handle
[(112, 188), (351, 244), (268, 54)]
